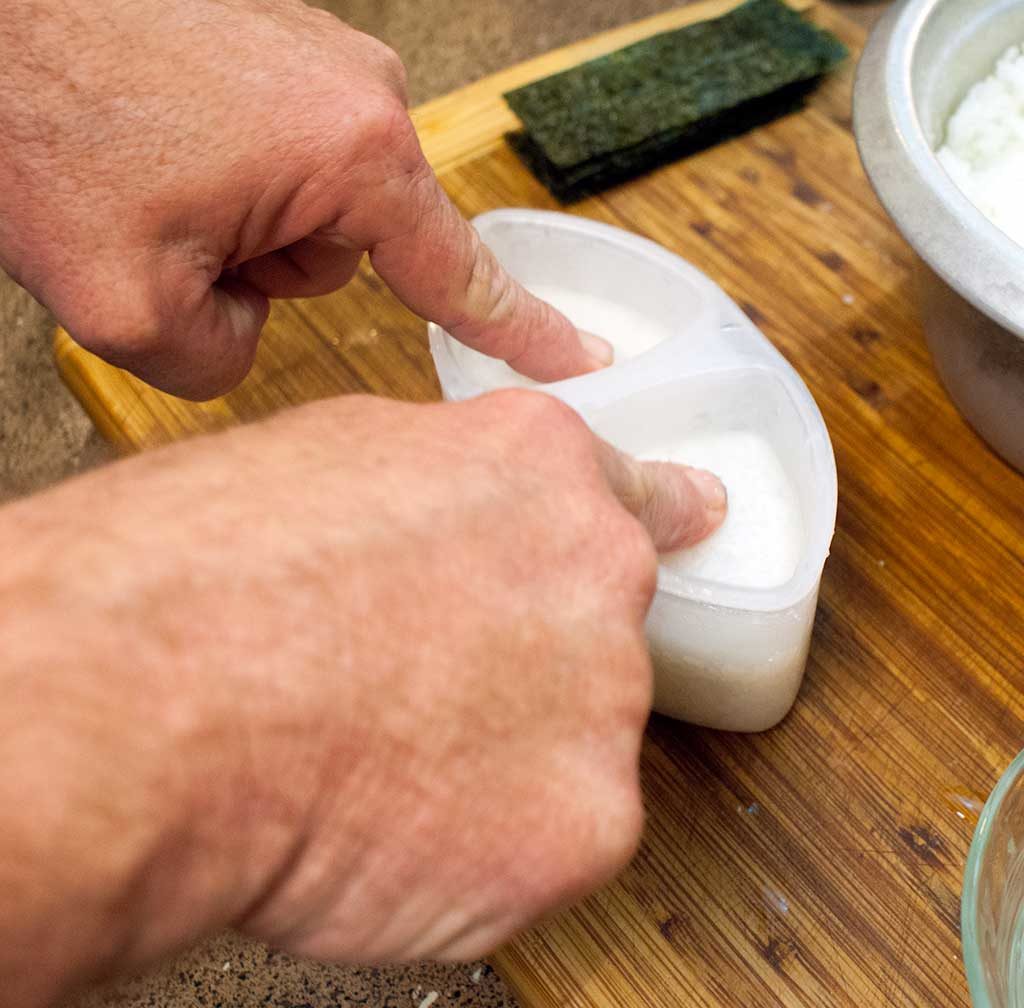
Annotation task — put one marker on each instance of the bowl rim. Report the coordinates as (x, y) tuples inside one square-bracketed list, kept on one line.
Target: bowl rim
[(967, 250), (976, 982)]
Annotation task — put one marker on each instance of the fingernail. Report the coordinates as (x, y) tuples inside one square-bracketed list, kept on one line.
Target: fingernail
[(712, 491), (600, 351)]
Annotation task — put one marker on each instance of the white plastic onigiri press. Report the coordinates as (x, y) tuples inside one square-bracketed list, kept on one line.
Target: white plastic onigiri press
[(694, 381)]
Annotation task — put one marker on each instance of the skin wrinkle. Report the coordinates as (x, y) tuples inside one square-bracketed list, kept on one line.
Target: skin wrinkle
[(382, 170), (497, 299), (417, 210), (235, 256), (323, 158), (528, 345), (302, 200), (381, 176), (262, 220), (478, 262)]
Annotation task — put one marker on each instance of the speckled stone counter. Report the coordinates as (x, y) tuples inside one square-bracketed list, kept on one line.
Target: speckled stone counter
[(44, 436), (231, 972)]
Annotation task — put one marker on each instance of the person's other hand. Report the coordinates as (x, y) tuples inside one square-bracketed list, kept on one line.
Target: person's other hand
[(304, 686), (168, 167)]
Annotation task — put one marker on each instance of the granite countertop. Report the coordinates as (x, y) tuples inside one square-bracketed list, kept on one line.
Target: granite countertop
[(45, 435)]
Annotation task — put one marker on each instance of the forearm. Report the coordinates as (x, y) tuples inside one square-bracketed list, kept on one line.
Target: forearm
[(133, 814), (100, 866), (330, 679)]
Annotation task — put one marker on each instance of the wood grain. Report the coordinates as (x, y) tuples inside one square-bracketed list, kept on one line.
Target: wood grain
[(819, 864)]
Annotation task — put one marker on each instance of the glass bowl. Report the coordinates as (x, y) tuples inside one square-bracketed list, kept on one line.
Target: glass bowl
[(992, 910)]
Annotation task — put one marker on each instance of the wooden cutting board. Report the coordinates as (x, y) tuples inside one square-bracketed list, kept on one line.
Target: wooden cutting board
[(820, 863)]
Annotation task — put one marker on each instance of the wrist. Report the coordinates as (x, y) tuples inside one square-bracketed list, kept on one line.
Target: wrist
[(132, 815)]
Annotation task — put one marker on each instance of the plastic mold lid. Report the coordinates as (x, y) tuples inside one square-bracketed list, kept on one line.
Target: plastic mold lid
[(551, 253), (715, 372)]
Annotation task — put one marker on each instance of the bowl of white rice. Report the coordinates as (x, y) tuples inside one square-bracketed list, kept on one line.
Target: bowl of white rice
[(939, 118)]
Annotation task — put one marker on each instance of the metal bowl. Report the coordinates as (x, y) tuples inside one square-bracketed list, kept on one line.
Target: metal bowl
[(918, 64)]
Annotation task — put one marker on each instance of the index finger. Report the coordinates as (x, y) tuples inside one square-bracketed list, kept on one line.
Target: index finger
[(436, 263), (679, 505)]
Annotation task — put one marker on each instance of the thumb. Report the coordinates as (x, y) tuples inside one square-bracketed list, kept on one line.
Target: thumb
[(679, 505), (171, 327)]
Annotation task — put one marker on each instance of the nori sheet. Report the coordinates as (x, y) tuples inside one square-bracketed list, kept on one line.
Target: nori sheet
[(603, 121), (601, 173)]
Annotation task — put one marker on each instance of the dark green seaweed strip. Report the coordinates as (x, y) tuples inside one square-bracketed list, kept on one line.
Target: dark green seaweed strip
[(664, 85), (600, 173)]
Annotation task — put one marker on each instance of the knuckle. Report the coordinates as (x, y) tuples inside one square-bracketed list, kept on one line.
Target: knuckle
[(392, 69), (318, 18), (383, 132), (620, 700), (551, 437), (374, 55), (635, 555), (600, 843), (351, 44), (536, 414), (635, 692), (621, 827)]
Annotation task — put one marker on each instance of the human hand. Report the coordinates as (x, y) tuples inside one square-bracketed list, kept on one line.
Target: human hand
[(166, 168), (367, 681)]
